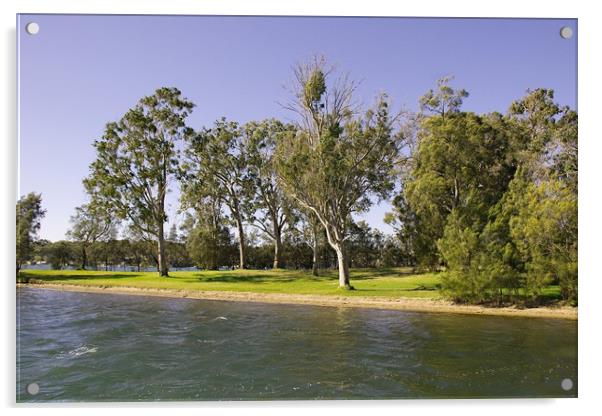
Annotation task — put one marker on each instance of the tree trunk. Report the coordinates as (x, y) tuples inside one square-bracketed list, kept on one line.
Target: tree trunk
[(241, 243), (343, 263), (84, 257), (277, 246), (314, 259), (161, 258), (314, 248)]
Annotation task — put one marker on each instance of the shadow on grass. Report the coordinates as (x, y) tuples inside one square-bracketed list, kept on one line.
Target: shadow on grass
[(25, 277), (284, 276), (245, 278)]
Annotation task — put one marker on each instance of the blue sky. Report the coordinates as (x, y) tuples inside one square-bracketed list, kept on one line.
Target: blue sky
[(81, 71)]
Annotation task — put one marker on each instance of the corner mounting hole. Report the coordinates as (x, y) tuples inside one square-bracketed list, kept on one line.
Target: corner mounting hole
[(566, 384), (32, 28), (33, 388), (566, 32)]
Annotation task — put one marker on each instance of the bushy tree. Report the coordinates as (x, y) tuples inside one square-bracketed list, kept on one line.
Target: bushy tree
[(545, 234), (135, 160), (60, 254), (29, 213), (209, 243)]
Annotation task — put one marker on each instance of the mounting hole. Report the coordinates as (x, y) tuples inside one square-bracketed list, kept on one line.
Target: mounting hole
[(566, 384), (33, 388), (32, 28), (566, 32)]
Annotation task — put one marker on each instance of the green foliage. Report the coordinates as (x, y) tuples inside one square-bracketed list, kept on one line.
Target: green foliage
[(29, 213), (493, 198), (209, 243), (135, 159), (59, 254), (272, 211), (545, 232), (90, 224), (216, 166), (315, 88), (444, 100), (364, 245), (338, 160), (461, 163)]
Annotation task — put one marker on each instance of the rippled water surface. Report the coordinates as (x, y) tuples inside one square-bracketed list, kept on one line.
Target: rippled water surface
[(97, 347)]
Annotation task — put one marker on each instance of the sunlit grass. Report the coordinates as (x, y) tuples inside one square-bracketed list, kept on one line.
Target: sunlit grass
[(391, 283)]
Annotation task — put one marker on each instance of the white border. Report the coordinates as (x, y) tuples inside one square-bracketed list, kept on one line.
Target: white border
[(589, 210)]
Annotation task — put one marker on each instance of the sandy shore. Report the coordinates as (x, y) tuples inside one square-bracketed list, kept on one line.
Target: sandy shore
[(403, 304)]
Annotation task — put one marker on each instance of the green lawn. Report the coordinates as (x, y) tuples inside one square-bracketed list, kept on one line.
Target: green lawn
[(392, 283)]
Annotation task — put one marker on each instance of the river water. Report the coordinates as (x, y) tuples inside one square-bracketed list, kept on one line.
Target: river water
[(98, 347)]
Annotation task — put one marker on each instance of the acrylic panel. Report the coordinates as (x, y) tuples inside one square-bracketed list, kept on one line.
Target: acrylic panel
[(295, 208)]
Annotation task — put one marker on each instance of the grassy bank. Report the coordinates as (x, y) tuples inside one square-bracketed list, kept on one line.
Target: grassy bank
[(398, 289), (391, 283)]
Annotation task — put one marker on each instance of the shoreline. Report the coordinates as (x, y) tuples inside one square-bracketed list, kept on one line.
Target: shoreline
[(401, 304)]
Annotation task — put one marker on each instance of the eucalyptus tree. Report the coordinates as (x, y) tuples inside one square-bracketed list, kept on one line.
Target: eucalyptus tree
[(340, 158), (273, 213), (29, 213), (208, 238), (310, 231), (217, 165), (136, 159), (88, 225)]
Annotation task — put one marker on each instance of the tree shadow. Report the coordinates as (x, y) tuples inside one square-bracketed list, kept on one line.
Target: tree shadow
[(368, 274), (29, 277), (226, 277)]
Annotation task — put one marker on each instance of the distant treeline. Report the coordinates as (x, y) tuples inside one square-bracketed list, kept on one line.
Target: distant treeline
[(490, 199), (368, 248)]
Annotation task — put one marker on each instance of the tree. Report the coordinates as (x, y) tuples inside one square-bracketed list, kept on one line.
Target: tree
[(309, 229), (462, 163), (392, 253), (209, 239), (275, 211), (59, 254), (365, 245), (339, 158), (545, 233), (90, 224), (135, 160), (216, 167), (444, 100), (29, 214), (528, 238), (173, 234)]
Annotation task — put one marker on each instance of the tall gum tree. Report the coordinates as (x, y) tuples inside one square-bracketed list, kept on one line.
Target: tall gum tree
[(273, 212), (135, 160), (217, 164), (340, 158)]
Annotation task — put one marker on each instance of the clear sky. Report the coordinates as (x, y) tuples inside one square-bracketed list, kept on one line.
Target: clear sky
[(80, 72)]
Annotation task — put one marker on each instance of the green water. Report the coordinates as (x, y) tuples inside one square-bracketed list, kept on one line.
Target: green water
[(94, 347)]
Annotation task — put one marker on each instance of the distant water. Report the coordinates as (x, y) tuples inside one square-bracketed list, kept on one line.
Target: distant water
[(116, 268), (97, 347)]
